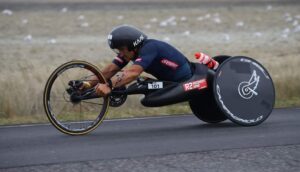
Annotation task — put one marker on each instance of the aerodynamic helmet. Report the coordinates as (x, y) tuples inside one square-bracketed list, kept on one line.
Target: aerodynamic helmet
[(126, 35)]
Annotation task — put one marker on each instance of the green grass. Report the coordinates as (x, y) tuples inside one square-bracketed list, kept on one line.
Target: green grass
[(21, 119), (113, 113), (288, 102)]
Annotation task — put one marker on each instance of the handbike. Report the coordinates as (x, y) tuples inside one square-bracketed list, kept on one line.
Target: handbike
[(240, 90)]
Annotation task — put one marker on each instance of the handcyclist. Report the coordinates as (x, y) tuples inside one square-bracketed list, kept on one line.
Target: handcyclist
[(155, 57)]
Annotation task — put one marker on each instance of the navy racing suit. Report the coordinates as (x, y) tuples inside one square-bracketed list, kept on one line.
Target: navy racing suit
[(161, 60)]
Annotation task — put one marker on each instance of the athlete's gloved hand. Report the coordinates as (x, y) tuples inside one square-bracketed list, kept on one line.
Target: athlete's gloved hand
[(206, 60), (102, 89), (85, 85)]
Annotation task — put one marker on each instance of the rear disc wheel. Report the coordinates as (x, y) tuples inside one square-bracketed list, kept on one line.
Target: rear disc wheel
[(244, 91)]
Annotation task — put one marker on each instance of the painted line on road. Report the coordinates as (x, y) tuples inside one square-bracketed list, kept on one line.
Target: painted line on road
[(106, 120)]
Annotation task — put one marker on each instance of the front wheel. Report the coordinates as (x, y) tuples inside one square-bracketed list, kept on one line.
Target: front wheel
[(74, 116)]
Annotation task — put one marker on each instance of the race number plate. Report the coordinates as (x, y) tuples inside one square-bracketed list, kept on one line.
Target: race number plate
[(155, 85)]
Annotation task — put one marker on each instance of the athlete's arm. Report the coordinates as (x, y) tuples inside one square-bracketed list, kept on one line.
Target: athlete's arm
[(127, 75), (109, 71)]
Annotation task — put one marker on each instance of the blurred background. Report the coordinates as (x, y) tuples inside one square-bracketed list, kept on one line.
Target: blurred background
[(36, 36)]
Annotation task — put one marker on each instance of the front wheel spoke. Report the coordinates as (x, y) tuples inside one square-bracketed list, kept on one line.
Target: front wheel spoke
[(62, 79), (91, 103), (83, 107), (64, 107), (62, 100), (86, 78), (80, 111)]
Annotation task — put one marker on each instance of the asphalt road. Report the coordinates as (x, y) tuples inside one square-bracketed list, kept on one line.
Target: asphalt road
[(22, 146)]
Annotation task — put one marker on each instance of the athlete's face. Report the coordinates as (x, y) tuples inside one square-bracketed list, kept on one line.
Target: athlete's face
[(126, 53)]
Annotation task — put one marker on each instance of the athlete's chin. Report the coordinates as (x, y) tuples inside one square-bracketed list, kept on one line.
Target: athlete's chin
[(129, 57)]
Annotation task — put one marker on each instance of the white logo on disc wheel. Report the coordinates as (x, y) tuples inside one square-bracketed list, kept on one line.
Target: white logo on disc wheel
[(248, 88)]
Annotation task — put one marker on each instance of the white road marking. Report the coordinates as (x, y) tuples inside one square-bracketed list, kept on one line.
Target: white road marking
[(105, 120)]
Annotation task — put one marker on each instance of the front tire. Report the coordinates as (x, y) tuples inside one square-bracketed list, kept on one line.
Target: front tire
[(69, 117)]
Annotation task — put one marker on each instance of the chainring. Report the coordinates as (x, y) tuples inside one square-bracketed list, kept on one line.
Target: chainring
[(117, 100)]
